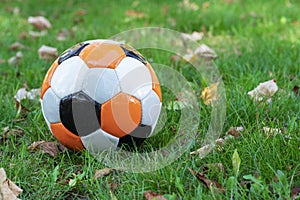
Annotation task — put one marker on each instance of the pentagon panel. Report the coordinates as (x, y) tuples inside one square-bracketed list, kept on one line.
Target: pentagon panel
[(155, 85), (80, 114)]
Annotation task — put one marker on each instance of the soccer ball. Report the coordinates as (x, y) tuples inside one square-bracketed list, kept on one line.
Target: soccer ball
[(101, 94)]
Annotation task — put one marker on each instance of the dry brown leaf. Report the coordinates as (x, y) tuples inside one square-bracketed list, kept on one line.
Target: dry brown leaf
[(39, 22), (8, 190), (209, 183), (17, 46), (195, 36), (295, 192), (35, 34), (15, 60), (235, 131), (296, 90), (102, 172), (263, 90), (11, 132), (149, 195), (188, 5), (51, 148), (62, 35), (47, 53), (2, 61), (134, 13), (203, 51), (209, 94)]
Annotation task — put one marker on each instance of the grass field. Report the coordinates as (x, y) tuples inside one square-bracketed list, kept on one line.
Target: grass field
[(255, 42)]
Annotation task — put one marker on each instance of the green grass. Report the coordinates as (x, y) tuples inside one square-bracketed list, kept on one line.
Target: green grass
[(267, 35)]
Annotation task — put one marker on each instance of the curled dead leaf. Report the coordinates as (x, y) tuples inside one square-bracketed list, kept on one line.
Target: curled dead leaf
[(149, 195), (8, 190), (203, 51), (263, 90), (15, 60), (209, 94), (235, 131), (102, 172), (35, 34), (209, 183), (62, 35), (186, 4), (22, 93), (296, 90), (295, 192), (195, 36), (51, 148), (16, 46), (134, 13), (39, 22), (7, 132), (47, 53)]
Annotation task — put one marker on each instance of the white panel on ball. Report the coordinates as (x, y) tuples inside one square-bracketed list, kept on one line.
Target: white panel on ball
[(50, 106), (135, 78), (151, 106), (99, 141), (68, 76), (101, 84)]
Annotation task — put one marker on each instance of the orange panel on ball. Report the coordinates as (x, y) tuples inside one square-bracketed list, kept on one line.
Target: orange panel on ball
[(155, 84), (65, 137), (102, 55), (121, 115), (48, 77)]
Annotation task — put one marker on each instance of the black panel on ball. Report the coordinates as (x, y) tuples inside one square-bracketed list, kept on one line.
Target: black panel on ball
[(131, 52), (80, 114), (136, 137), (73, 51)]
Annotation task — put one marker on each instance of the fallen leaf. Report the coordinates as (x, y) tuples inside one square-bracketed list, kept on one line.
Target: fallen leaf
[(15, 60), (263, 90), (8, 190), (204, 51), (47, 53), (188, 5), (22, 35), (134, 13), (209, 94), (62, 35), (51, 148), (39, 22), (35, 34), (2, 61), (295, 192), (149, 195), (17, 46), (296, 90), (235, 131), (11, 132), (209, 183), (271, 131), (102, 172), (195, 36)]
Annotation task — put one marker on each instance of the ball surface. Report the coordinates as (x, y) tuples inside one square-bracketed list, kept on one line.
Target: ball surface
[(101, 94)]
